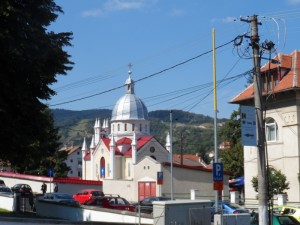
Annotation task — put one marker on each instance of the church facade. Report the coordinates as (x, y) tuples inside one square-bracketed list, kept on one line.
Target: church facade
[(132, 163)]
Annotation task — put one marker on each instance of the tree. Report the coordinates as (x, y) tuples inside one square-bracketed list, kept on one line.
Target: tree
[(31, 57), (233, 158), (277, 182)]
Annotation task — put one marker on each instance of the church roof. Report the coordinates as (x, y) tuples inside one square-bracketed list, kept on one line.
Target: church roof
[(288, 71), (140, 143), (129, 106)]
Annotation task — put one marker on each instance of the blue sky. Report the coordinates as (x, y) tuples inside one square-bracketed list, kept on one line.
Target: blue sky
[(156, 36)]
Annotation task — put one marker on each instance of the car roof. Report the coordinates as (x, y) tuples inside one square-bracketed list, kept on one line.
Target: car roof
[(89, 190)]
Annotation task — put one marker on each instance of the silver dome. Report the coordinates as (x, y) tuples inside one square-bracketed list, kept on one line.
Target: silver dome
[(129, 106)]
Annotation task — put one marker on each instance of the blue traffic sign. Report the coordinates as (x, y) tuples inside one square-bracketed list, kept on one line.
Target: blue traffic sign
[(50, 172), (218, 171)]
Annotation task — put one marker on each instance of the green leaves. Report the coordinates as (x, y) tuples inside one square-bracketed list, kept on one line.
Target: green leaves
[(30, 60), (277, 182)]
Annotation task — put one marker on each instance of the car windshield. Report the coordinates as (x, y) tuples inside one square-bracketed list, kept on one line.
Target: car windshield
[(4, 189), (96, 193), (232, 205), (283, 220)]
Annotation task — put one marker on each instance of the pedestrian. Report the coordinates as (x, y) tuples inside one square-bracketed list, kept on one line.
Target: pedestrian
[(55, 187), (44, 188)]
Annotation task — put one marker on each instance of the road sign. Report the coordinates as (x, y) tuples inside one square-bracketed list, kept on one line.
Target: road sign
[(218, 185), (50, 172), (218, 171), (248, 120), (160, 178)]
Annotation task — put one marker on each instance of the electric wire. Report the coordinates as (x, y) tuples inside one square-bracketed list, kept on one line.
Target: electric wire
[(146, 77)]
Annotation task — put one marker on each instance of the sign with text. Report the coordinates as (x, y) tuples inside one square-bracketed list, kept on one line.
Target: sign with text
[(218, 171), (248, 120)]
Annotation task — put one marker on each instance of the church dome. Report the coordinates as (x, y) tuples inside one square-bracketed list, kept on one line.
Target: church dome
[(129, 106)]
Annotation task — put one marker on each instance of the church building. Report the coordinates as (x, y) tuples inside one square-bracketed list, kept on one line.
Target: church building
[(131, 162)]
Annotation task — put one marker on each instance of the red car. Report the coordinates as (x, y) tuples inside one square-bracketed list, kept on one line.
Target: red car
[(86, 194), (111, 202)]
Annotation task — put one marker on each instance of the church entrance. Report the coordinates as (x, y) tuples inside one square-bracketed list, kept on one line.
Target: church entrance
[(146, 189), (102, 167)]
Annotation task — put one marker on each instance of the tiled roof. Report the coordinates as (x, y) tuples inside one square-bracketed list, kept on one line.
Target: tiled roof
[(140, 143), (71, 149), (189, 160), (289, 68)]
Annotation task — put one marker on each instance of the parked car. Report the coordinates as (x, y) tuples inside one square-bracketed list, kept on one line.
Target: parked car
[(111, 202), (2, 183), (63, 198), (288, 210), (146, 205), (5, 190), (23, 189), (277, 220), (84, 195), (227, 208)]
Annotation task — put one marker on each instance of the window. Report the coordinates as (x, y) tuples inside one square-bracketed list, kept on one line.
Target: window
[(140, 127), (118, 127), (133, 127), (125, 126), (271, 130)]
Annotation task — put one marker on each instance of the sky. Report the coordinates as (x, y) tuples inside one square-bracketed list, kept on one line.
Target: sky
[(168, 44)]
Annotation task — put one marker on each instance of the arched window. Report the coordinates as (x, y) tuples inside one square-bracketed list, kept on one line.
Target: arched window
[(125, 126), (271, 129), (140, 127), (133, 127), (118, 127)]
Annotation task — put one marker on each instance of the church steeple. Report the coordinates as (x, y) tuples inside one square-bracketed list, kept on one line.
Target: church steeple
[(129, 82)]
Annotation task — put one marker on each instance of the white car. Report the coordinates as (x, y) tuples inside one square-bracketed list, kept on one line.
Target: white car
[(59, 197), (5, 190)]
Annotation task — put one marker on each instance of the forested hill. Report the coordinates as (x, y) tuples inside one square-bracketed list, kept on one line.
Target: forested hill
[(192, 131)]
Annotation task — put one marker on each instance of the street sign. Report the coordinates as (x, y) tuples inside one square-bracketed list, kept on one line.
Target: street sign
[(160, 178), (218, 171), (218, 185), (50, 172), (248, 120)]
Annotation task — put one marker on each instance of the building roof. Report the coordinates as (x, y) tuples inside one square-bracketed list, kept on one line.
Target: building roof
[(129, 106), (288, 71), (70, 149), (189, 160)]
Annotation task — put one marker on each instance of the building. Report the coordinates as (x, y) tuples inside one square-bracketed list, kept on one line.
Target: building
[(74, 160), (132, 163), (281, 99)]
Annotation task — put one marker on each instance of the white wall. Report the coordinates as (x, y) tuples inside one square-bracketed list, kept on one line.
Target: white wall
[(70, 188), (7, 202)]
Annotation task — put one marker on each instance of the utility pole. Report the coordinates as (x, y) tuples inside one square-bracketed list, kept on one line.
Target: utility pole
[(261, 160)]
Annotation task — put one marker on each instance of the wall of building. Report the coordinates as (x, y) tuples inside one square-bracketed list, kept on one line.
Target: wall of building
[(283, 154), (185, 180), (36, 182)]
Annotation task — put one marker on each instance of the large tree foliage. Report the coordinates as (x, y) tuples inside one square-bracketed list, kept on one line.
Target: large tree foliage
[(31, 57), (233, 158), (277, 182)]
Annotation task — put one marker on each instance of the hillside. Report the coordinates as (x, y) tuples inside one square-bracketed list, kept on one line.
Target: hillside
[(192, 133)]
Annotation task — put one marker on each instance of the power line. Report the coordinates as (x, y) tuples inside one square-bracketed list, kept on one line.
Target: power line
[(151, 75)]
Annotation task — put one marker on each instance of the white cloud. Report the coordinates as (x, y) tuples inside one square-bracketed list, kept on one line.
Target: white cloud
[(177, 12), (294, 2), (92, 13), (118, 5)]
